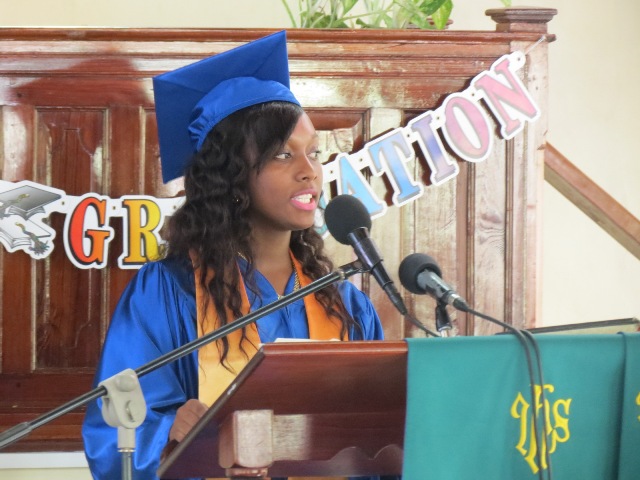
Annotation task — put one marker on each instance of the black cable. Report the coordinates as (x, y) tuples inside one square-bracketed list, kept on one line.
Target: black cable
[(536, 348), (419, 324), (523, 336)]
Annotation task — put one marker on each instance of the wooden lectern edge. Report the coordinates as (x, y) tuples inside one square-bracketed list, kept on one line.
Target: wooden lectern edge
[(259, 439), (287, 349)]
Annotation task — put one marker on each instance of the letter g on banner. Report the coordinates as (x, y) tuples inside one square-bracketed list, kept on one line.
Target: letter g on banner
[(87, 232)]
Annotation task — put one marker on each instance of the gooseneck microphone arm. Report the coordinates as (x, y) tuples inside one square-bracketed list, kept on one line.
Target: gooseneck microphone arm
[(23, 429)]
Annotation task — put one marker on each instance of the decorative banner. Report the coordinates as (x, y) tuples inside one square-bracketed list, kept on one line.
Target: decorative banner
[(86, 234), (462, 121)]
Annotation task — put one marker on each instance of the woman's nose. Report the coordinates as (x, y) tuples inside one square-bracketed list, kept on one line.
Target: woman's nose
[(307, 168)]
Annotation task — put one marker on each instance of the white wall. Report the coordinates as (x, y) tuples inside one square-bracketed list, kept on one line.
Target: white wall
[(145, 13), (595, 72), (40, 466), (594, 77)]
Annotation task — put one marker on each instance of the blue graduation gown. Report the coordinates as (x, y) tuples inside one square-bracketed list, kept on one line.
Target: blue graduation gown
[(157, 314)]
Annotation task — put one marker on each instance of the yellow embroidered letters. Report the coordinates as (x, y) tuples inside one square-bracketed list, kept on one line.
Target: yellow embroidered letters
[(556, 425)]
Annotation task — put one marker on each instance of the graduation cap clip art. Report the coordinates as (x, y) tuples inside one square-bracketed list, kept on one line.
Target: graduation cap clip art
[(191, 100)]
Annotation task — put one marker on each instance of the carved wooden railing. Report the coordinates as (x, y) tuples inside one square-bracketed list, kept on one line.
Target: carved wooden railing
[(597, 204)]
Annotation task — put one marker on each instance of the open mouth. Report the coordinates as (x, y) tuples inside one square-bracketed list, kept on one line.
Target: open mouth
[(305, 198)]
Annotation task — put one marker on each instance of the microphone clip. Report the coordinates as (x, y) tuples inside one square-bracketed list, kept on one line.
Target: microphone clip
[(443, 321)]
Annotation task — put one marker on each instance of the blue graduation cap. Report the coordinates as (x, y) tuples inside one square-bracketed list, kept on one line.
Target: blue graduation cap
[(191, 100)]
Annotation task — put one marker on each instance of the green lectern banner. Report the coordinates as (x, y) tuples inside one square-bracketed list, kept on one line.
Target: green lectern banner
[(630, 420), (469, 408)]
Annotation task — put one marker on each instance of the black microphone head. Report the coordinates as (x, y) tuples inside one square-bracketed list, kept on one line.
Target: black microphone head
[(343, 215), (411, 266)]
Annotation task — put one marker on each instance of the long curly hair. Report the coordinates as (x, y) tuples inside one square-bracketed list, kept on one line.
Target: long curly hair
[(213, 226)]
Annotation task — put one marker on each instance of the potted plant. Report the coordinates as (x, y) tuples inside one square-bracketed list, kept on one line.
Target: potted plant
[(426, 14)]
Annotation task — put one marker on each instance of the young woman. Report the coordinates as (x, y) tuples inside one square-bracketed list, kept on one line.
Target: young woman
[(244, 236)]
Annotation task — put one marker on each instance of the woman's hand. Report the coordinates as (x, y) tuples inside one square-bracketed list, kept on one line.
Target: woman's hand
[(186, 417)]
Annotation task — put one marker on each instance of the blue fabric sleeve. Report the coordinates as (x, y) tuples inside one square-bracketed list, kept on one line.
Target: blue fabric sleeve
[(361, 309), (155, 315)]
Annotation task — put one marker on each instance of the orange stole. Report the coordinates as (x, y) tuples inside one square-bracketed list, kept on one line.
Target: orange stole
[(213, 377)]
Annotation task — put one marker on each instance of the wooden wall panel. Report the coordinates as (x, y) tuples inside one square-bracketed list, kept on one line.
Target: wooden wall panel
[(76, 113), (66, 301)]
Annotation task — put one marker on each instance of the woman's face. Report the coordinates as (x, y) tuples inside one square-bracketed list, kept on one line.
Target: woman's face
[(285, 192)]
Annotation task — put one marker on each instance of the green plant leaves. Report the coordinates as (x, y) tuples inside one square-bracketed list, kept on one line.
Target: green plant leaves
[(375, 13), (322, 13), (442, 14), (425, 14)]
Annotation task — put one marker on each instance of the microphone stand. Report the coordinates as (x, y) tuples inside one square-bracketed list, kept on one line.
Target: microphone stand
[(124, 406), (443, 321)]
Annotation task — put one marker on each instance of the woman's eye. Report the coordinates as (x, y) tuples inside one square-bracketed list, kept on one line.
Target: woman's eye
[(283, 156), (315, 154)]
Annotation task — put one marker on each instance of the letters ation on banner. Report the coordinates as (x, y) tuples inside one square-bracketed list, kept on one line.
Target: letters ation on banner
[(461, 121)]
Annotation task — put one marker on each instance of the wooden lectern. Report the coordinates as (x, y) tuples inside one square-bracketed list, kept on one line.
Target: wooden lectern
[(303, 409)]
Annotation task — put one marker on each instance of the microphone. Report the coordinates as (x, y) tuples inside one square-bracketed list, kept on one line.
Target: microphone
[(420, 274), (349, 223)]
